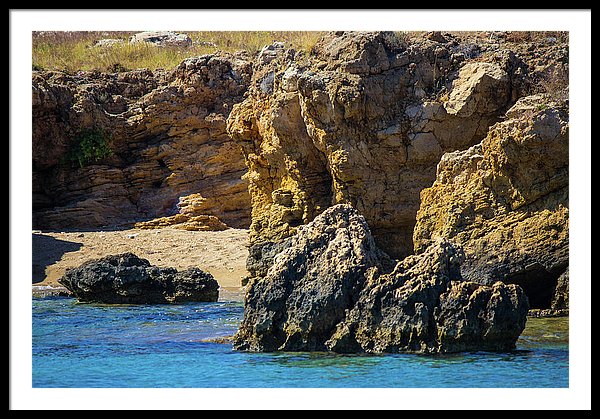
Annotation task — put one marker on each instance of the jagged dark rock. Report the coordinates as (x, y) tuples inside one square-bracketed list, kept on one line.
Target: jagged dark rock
[(560, 300), (310, 285), (128, 279), (333, 289)]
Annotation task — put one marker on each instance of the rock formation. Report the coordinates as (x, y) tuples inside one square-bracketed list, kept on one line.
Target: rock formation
[(184, 222), (363, 120), (333, 289), (505, 202), (128, 279), (169, 152), (162, 38)]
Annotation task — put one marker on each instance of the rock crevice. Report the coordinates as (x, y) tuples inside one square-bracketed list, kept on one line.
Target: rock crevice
[(436, 142), (505, 201)]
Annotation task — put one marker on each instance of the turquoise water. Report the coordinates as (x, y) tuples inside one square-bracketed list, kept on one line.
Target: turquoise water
[(86, 345)]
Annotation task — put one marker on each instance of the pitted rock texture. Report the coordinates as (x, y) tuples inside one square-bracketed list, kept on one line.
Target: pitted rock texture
[(361, 121), (128, 279), (505, 201), (170, 150), (332, 289)]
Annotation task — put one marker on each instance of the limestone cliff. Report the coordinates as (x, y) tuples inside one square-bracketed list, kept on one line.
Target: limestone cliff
[(505, 202), (364, 119), (169, 152)]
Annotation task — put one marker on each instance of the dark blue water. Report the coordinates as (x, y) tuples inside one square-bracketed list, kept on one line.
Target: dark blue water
[(86, 345)]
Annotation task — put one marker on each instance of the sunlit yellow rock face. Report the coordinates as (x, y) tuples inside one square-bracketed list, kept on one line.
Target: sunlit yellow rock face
[(437, 136), (505, 201), (359, 121)]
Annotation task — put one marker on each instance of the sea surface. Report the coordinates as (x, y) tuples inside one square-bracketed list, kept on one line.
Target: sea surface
[(92, 345)]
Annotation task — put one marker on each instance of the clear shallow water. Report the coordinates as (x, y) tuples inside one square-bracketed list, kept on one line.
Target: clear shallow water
[(86, 345)]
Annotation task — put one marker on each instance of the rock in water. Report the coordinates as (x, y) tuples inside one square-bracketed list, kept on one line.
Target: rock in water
[(333, 289), (424, 306), (304, 295), (128, 279)]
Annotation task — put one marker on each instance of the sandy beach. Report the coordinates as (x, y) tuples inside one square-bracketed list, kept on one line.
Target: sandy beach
[(222, 253)]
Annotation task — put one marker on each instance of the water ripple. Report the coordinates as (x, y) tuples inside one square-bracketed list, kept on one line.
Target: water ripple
[(91, 345)]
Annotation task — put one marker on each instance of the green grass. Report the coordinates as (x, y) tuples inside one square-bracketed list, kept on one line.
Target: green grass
[(75, 51)]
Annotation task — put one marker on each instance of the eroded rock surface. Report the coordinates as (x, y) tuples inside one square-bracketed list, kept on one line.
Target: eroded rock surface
[(128, 279), (184, 222), (360, 121), (166, 129), (560, 300), (505, 201), (363, 119), (333, 289)]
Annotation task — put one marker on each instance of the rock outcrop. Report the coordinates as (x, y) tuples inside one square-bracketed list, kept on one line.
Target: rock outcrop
[(363, 120), (368, 119), (168, 151), (505, 202), (184, 222), (128, 279), (162, 38), (333, 289)]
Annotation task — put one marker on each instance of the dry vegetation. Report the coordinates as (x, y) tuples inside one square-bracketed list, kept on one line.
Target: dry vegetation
[(74, 51)]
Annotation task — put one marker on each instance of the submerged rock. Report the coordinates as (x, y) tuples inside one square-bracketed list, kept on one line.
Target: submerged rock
[(333, 289), (44, 291), (128, 279)]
